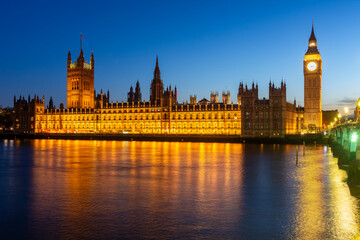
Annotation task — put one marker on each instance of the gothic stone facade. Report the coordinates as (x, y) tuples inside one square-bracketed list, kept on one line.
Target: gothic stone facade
[(266, 117), (26, 113)]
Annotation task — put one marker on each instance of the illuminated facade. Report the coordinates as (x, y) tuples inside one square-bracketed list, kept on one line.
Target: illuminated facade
[(144, 117), (312, 85), (87, 112), (80, 82), (161, 115)]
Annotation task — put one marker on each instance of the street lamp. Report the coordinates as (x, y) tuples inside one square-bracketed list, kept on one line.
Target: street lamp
[(346, 112)]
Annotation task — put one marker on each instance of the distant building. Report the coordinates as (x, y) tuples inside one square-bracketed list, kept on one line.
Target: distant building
[(27, 113), (357, 111), (329, 116), (193, 99), (226, 97), (214, 97), (204, 101), (6, 119)]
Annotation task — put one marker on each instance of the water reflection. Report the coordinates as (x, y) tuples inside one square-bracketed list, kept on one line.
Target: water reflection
[(112, 189)]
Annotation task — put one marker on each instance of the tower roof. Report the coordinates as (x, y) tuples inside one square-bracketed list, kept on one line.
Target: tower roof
[(312, 48), (81, 56), (157, 64), (157, 70), (312, 36)]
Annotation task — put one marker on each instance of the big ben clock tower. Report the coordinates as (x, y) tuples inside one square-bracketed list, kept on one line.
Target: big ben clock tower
[(312, 85)]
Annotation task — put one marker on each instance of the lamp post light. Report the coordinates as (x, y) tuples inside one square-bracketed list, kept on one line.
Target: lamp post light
[(339, 117), (346, 112)]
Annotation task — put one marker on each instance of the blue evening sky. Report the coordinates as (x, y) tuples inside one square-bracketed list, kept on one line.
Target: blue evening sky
[(203, 46)]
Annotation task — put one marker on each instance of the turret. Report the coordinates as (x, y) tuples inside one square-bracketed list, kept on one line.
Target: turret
[(51, 104), (92, 62), (101, 99), (241, 88), (137, 97), (69, 59)]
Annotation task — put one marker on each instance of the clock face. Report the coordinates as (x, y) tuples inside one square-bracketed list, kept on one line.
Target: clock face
[(311, 66)]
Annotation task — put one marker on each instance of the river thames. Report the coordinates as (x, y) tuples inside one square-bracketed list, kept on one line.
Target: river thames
[(72, 189)]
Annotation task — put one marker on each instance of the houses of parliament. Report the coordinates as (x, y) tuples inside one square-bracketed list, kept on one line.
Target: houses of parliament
[(89, 112)]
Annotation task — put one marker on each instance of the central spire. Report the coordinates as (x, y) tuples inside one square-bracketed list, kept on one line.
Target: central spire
[(312, 36), (81, 56), (157, 70)]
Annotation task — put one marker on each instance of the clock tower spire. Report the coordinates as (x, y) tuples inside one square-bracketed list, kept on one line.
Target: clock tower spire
[(312, 85)]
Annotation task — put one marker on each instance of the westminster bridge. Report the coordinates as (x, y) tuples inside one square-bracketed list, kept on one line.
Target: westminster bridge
[(344, 140)]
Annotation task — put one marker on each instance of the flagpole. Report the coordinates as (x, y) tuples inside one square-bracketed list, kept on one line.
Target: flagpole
[(80, 41)]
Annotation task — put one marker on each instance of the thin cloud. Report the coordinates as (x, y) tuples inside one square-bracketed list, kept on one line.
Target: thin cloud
[(347, 101)]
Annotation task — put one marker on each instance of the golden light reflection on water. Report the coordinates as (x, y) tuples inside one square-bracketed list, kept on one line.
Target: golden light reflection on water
[(310, 213), (166, 186), (325, 208)]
